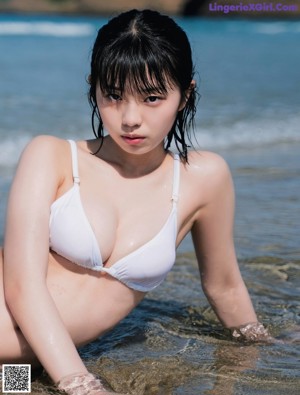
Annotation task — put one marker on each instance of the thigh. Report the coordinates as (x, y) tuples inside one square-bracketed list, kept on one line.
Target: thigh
[(13, 346)]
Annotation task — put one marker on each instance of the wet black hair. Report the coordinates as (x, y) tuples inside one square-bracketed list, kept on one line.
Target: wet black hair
[(145, 51)]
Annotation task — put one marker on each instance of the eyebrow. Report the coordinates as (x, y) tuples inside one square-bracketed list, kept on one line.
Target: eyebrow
[(113, 88), (141, 91)]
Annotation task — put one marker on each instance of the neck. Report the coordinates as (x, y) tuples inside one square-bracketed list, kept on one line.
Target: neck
[(131, 165)]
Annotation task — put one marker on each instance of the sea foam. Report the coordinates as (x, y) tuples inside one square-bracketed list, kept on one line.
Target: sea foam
[(46, 29)]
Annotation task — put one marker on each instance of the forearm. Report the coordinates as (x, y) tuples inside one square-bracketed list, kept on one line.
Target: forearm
[(43, 328), (234, 309), (232, 305)]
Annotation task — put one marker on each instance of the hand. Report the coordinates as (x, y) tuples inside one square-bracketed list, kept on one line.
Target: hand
[(82, 384), (253, 331)]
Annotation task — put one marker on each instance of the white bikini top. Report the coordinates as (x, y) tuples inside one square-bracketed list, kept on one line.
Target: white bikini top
[(72, 237)]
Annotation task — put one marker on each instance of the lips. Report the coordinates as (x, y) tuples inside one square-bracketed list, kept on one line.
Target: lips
[(133, 139)]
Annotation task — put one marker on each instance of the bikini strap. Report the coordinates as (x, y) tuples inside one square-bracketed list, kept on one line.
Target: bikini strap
[(176, 179), (75, 172)]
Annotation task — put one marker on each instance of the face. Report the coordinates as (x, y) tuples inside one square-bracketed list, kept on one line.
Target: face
[(138, 123)]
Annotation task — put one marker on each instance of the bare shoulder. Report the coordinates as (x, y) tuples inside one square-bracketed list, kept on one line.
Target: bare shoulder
[(208, 173), (46, 148), (206, 164), (45, 155), (46, 144)]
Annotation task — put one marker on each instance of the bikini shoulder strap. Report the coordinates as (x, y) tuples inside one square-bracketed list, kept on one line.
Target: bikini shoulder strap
[(75, 172), (176, 178)]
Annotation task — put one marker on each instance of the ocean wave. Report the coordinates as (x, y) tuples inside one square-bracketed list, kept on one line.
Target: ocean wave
[(258, 133), (265, 28), (46, 29), (277, 28), (250, 134), (11, 148)]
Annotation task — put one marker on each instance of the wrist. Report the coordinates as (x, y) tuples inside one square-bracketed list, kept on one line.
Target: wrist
[(83, 383), (253, 331)]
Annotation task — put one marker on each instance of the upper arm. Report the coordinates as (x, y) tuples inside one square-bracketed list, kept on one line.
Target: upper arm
[(34, 187), (212, 230)]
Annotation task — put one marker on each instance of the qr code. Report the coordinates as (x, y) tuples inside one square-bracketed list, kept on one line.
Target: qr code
[(16, 378)]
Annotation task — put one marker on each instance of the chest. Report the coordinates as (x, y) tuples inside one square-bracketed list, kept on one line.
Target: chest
[(125, 214), (119, 214)]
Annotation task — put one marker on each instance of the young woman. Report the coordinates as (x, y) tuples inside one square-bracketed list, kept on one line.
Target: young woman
[(92, 226)]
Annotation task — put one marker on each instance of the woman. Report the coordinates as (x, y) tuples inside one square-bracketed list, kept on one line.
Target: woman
[(92, 226)]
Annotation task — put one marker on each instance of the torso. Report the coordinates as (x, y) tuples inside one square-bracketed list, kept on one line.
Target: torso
[(90, 303), (114, 203), (118, 211)]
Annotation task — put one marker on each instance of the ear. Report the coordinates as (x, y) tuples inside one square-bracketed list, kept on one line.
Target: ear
[(187, 95)]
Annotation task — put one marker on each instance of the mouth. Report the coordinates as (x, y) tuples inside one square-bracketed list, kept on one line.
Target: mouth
[(133, 139)]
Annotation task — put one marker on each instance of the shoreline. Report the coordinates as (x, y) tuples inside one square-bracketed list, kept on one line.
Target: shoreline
[(250, 9)]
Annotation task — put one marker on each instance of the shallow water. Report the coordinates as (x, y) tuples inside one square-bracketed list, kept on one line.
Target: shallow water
[(249, 113), (173, 344)]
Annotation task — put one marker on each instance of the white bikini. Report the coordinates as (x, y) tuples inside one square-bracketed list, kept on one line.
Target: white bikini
[(72, 237)]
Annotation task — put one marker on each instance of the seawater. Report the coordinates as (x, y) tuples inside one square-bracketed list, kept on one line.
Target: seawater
[(248, 73)]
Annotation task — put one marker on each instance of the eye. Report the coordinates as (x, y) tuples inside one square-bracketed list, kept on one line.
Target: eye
[(153, 99), (113, 97)]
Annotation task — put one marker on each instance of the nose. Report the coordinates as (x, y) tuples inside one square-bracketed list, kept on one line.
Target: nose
[(131, 116)]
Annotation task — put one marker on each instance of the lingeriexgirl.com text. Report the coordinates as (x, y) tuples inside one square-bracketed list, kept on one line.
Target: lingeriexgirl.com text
[(252, 7)]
